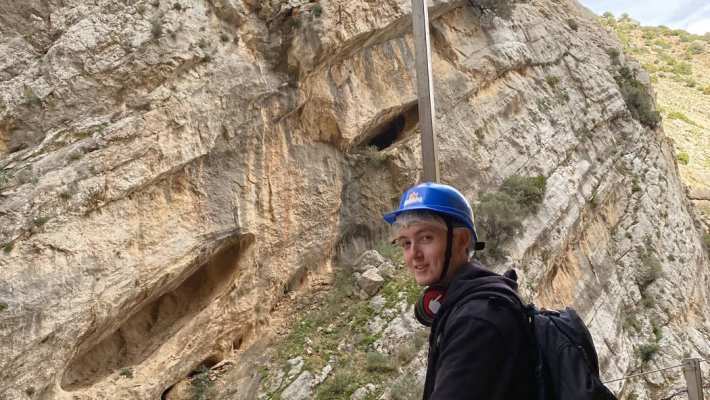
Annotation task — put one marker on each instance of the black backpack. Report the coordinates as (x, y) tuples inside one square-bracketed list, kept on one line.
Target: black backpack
[(566, 366)]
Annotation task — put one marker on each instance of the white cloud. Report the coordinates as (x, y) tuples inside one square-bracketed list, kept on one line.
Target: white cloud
[(690, 15), (699, 27), (697, 21)]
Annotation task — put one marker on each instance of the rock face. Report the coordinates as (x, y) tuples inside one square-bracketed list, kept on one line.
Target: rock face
[(169, 171), (370, 282)]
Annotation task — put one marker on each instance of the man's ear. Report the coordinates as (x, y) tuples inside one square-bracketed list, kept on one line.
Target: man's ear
[(462, 238)]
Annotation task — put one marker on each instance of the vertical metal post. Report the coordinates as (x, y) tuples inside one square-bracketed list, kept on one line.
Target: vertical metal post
[(422, 46), (693, 378)]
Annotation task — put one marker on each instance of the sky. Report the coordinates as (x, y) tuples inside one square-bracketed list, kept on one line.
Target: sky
[(690, 15)]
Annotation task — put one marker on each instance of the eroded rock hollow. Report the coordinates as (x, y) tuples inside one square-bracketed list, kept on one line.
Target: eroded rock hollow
[(170, 170)]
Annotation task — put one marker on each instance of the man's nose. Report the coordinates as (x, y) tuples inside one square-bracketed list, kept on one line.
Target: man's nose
[(416, 250)]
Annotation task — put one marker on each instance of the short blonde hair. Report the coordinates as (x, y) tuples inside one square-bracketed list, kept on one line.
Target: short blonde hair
[(407, 219)]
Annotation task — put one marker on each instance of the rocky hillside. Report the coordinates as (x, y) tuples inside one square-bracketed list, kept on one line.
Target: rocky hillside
[(178, 179), (679, 65)]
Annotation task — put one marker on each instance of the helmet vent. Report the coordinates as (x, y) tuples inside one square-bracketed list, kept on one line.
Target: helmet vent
[(395, 128)]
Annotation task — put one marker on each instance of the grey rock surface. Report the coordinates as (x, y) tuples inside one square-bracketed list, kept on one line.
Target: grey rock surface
[(363, 392), (368, 260), (301, 388), (370, 281)]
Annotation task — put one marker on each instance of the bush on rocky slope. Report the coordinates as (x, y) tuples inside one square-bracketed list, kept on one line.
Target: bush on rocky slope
[(500, 214), (637, 98)]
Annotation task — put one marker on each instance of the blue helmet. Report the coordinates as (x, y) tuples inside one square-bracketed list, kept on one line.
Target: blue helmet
[(441, 199)]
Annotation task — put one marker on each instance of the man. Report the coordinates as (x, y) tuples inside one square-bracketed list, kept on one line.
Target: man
[(478, 347)]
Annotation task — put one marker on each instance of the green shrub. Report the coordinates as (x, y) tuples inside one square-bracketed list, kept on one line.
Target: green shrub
[(498, 220), (682, 68), (650, 68), (647, 300), (5, 175), (8, 248), (667, 59), (635, 187), (696, 47), (39, 221), (156, 28), (648, 34), (662, 44), (374, 155), (682, 117), (30, 96), (683, 158), (630, 322), (502, 8), (572, 24), (646, 351), (650, 270), (407, 388), (405, 352), (201, 383), (378, 362), (552, 80), (317, 10), (500, 213), (528, 191), (3, 307), (126, 372), (657, 333), (339, 386), (637, 98), (613, 55)]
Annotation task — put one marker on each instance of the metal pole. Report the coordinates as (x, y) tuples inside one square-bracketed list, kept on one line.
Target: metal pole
[(693, 378), (422, 46)]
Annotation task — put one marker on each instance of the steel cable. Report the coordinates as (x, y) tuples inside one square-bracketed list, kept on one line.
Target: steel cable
[(649, 372)]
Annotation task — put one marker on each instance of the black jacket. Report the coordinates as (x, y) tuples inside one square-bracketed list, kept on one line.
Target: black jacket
[(479, 349)]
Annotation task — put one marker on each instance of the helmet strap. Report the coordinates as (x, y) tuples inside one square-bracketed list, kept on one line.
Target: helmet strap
[(447, 255)]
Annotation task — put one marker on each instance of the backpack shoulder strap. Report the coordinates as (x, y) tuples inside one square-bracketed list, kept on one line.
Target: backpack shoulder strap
[(494, 291)]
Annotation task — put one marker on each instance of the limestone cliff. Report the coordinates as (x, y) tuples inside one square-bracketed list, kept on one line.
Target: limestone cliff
[(169, 170)]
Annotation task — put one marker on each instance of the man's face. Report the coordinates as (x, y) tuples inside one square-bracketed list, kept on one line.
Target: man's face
[(424, 247)]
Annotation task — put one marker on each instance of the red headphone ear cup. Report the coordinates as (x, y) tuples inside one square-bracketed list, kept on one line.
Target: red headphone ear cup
[(428, 304), (420, 314)]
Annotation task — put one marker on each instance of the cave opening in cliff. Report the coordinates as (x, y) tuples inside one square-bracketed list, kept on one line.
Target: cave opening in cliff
[(205, 365), (159, 320), (395, 128)]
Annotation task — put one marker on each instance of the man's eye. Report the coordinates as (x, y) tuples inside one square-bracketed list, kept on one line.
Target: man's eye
[(426, 238)]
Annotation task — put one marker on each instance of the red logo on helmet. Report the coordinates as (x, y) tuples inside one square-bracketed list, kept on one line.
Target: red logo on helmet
[(413, 197)]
